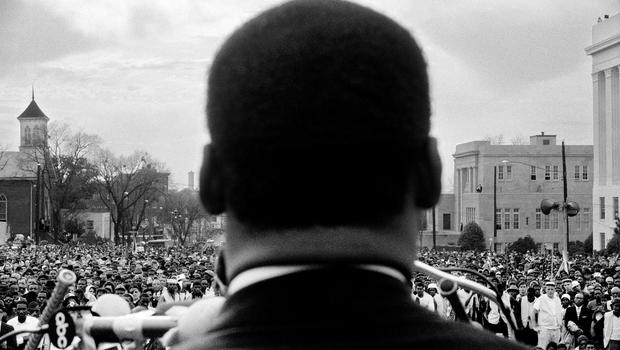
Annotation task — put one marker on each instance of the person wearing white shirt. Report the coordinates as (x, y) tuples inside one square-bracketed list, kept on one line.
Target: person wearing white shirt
[(527, 307), (548, 316), (22, 321), (611, 327), (439, 301), (423, 299)]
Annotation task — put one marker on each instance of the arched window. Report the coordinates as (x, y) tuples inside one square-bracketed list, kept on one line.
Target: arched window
[(27, 136), (36, 135), (3, 207)]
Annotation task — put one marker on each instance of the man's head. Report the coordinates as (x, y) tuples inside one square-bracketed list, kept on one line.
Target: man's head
[(21, 309), (615, 306), (308, 132), (579, 299), (550, 289)]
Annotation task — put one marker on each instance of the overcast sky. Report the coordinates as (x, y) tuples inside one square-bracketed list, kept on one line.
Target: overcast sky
[(133, 72)]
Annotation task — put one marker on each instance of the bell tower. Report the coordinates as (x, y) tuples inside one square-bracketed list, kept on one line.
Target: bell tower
[(33, 127)]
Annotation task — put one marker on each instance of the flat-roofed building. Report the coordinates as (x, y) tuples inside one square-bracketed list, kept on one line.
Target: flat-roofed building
[(524, 176), (605, 52)]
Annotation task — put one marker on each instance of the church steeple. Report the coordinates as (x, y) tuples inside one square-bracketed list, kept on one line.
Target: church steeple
[(33, 126)]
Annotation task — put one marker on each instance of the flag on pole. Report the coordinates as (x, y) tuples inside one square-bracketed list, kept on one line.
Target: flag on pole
[(564, 265)]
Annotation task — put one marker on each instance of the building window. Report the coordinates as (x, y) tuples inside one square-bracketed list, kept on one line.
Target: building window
[(556, 172), (527, 220), (602, 238), (515, 219), (470, 215), (27, 136), (578, 221), (500, 172), (532, 172), (508, 172), (3, 207), (538, 219), (584, 173), (546, 222), (556, 247), (547, 172), (602, 205), (447, 225), (555, 223), (586, 217), (498, 219), (506, 219), (577, 172), (615, 199), (546, 142), (90, 225)]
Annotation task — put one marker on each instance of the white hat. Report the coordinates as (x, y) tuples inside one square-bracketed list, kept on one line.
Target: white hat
[(567, 296), (574, 284), (597, 274), (171, 281), (432, 286)]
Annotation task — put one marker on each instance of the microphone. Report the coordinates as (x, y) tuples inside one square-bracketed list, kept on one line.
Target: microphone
[(64, 280), (129, 327)]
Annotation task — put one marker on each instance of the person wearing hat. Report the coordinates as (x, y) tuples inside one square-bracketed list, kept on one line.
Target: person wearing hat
[(439, 301), (170, 293), (548, 316), (611, 327), (299, 99)]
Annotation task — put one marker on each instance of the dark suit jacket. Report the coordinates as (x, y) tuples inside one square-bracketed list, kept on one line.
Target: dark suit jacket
[(583, 320), (11, 342), (336, 308)]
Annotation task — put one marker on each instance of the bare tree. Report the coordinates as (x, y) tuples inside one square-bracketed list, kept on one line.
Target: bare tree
[(183, 211), (495, 139), (125, 184), (63, 169), (519, 140)]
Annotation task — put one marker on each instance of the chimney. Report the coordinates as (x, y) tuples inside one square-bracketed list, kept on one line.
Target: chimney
[(190, 180)]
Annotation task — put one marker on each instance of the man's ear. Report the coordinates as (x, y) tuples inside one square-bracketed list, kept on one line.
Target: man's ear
[(427, 175), (212, 187)]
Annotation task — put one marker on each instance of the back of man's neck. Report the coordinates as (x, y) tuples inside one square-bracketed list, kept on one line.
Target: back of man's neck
[(390, 246)]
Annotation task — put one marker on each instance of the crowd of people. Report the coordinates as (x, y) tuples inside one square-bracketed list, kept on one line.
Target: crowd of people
[(553, 305), (28, 277)]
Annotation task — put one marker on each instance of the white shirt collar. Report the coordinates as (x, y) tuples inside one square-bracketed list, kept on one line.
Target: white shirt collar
[(259, 274)]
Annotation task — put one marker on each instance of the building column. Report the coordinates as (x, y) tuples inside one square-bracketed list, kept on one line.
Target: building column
[(457, 196), (615, 126), (608, 127), (596, 138)]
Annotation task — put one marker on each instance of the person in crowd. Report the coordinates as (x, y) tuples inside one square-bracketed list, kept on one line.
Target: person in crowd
[(10, 342), (548, 315), (578, 318), (22, 321), (422, 298), (611, 327)]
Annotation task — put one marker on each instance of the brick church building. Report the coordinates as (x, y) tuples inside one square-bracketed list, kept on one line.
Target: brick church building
[(18, 177)]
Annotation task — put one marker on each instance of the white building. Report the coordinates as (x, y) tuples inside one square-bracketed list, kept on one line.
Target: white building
[(516, 178), (605, 52)]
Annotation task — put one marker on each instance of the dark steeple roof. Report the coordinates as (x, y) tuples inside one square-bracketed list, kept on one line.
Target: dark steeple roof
[(33, 111)]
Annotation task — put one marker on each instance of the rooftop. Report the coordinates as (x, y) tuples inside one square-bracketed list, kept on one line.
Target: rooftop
[(33, 112)]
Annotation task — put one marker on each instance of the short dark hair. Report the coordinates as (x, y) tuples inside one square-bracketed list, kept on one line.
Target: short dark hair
[(316, 110)]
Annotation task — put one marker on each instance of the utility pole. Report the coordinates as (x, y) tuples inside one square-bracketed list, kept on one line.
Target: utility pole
[(494, 207), (565, 218), (37, 216), (434, 230)]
